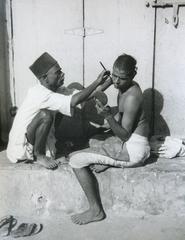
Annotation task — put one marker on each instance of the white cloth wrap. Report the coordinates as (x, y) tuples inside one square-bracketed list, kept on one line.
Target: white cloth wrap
[(171, 147)]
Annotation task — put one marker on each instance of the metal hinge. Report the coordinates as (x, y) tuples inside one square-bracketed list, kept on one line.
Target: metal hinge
[(175, 5), (83, 31)]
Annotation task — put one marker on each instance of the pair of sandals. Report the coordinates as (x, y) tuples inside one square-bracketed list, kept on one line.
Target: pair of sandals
[(7, 224)]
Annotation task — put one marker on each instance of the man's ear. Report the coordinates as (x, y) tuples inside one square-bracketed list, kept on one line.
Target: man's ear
[(44, 79)]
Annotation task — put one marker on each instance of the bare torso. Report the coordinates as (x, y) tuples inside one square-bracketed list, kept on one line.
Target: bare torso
[(140, 125)]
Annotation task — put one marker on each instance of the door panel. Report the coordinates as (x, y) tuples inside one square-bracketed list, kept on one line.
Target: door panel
[(40, 26), (127, 27), (170, 73)]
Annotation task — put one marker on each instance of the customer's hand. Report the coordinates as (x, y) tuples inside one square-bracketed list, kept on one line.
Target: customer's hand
[(104, 111)]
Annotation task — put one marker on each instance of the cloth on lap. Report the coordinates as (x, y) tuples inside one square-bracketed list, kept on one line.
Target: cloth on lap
[(110, 152)]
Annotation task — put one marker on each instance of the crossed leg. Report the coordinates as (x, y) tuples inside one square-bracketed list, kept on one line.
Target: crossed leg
[(37, 133)]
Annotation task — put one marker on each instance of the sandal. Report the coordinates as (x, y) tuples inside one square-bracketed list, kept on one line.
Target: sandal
[(7, 223), (26, 229)]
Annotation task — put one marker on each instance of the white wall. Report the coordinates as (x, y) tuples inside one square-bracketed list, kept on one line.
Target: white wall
[(125, 26), (128, 28), (39, 26), (170, 70)]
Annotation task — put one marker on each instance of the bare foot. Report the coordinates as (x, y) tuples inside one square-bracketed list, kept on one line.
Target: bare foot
[(98, 168), (47, 162), (88, 216)]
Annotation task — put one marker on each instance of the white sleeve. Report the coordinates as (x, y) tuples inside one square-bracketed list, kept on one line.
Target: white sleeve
[(58, 102)]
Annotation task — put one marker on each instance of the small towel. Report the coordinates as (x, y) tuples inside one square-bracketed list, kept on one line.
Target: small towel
[(167, 147)]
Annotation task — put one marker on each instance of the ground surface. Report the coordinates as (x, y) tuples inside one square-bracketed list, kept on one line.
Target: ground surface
[(113, 228), (154, 194)]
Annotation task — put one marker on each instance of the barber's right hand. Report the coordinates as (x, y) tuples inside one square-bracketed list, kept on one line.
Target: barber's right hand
[(102, 77)]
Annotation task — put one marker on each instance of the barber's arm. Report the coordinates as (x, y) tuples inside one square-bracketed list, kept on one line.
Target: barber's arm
[(103, 86), (85, 93)]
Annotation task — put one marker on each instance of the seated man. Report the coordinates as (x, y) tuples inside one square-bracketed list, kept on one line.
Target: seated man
[(32, 132), (128, 147)]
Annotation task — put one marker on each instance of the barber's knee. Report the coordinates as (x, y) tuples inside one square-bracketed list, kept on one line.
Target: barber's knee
[(46, 115)]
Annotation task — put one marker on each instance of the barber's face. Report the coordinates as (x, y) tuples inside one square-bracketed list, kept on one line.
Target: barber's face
[(121, 79), (55, 78)]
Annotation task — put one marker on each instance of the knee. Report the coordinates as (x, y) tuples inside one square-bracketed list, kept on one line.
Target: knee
[(46, 115), (77, 161), (73, 162)]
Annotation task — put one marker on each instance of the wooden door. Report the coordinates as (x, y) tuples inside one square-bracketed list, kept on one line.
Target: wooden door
[(170, 73), (116, 27), (44, 25)]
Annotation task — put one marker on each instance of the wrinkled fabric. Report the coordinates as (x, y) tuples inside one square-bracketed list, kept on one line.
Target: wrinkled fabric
[(168, 147), (111, 151)]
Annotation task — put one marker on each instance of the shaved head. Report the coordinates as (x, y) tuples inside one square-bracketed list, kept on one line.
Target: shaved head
[(125, 63)]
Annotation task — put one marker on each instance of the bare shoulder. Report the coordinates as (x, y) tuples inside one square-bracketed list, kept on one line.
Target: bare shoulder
[(133, 97), (135, 90)]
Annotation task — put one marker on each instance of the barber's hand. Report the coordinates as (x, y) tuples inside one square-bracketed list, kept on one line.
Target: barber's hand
[(102, 77), (104, 111)]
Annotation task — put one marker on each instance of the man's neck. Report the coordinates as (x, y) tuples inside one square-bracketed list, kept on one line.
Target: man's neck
[(126, 88)]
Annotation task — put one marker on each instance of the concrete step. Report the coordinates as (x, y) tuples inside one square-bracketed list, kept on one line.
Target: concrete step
[(157, 188)]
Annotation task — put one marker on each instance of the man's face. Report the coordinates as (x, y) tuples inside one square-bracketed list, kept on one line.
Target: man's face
[(121, 79), (55, 78)]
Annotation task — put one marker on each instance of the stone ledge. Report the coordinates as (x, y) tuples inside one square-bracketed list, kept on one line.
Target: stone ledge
[(156, 188)]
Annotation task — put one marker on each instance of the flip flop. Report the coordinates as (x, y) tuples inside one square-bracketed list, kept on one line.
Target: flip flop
[(26, 229), (7, 223)]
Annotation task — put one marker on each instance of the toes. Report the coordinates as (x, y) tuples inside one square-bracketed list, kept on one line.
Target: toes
[(92, 167), (52, 165)]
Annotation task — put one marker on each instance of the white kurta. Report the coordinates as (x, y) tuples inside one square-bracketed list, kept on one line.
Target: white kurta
[(38, 98)]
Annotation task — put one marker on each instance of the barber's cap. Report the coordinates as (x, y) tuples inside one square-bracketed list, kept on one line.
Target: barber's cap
[(42, 65)]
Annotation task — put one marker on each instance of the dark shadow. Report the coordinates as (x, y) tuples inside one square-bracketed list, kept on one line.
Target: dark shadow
[(153, 105), (73, 133), (153, 112), (5, 98), (152, 159)]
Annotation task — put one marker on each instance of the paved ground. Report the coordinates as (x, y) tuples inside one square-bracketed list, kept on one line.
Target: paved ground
[(113, 228), (151, 189)]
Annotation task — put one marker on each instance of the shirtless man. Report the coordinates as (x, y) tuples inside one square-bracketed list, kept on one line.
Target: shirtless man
[(32, 134), (128, 147)]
